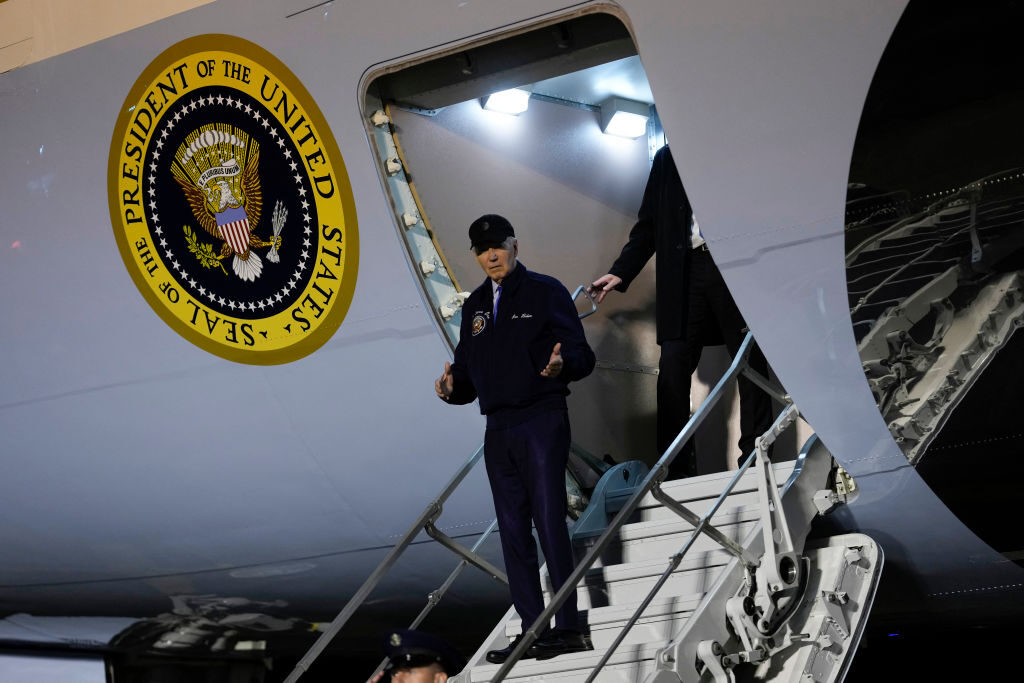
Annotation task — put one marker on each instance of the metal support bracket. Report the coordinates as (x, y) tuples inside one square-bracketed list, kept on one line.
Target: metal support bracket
[(781, 568), (710, 654), (467, 555)]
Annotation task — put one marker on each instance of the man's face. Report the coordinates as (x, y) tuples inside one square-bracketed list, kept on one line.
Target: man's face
[(498, 261), (431, 673)]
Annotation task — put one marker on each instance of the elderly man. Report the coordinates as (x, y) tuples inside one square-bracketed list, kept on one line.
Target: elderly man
[(521, 344)]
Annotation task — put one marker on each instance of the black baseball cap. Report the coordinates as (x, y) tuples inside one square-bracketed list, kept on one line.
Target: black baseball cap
[(490, 230), (408, 649)]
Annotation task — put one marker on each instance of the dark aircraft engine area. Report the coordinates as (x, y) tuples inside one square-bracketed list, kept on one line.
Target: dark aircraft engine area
[(935, 244)]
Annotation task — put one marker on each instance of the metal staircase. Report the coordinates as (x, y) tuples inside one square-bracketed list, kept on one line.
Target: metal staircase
[(691, 606), (702, 579), (628, 569)]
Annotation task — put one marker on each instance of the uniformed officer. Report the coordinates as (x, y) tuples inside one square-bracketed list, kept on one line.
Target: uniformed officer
[(418, 657), (521, 344)]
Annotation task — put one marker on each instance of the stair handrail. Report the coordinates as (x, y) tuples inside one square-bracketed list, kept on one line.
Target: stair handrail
[(529, 635), (434, 597), (427, 518)]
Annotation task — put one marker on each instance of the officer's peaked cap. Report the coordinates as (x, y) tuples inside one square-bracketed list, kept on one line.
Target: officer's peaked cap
[(406, 648)]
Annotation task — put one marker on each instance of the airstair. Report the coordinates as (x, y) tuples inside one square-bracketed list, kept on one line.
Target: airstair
[(663, 603), (703, 579)]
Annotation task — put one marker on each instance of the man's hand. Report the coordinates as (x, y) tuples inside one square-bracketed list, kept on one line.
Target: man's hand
[(554, 366), (603, 285), (376, 677), (445, 384)]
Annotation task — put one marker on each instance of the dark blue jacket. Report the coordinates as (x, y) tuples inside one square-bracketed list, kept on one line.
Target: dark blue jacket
[(501, 364)]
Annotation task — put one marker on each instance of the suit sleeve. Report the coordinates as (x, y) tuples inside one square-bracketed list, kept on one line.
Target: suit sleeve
[(577, 357), (642, 241), (463, 391)]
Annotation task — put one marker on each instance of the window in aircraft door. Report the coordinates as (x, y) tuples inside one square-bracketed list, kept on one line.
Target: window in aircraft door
[(935, 252)]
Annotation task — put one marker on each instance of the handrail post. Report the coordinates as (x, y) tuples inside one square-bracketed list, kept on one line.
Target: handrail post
[(371, 582), (434, 597)]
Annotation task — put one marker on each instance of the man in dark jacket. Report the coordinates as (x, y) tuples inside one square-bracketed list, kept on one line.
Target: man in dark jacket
[(521, 343), (693, 308)]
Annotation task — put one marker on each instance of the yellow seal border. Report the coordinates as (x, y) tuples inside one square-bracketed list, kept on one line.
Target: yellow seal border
[(340, 206)]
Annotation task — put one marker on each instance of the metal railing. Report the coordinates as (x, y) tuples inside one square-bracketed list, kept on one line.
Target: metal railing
[(425, 522)]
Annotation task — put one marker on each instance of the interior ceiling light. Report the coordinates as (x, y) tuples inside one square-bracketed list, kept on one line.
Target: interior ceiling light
[(514, 101), (624, 118)]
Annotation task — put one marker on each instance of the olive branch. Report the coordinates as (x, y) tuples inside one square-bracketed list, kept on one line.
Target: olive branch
[(204, 252)]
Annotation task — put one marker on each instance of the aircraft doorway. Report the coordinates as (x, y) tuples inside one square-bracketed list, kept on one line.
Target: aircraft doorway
[(570, 189)]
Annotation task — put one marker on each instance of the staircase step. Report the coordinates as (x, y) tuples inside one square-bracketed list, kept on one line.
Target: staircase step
[(653, 541), (627, 583), (627, 665), (662, 618), (698, 507), (709, 486)]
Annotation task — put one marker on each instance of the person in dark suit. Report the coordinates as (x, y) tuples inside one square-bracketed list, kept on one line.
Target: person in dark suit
[(520, 344), (693, 309)]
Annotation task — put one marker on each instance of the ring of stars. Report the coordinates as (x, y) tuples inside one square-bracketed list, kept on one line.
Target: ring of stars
[(202, 292)]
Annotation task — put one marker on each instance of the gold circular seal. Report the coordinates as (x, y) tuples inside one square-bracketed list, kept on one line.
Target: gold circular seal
[(231, 204)]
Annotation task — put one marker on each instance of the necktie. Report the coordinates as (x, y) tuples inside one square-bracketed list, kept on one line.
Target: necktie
[(494, 313)]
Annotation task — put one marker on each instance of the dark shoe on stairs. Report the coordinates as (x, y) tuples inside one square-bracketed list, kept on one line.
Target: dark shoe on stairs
[(559, 642), (499, 656)]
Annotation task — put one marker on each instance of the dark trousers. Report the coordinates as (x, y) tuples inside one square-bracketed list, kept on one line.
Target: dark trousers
[(710, 307), (526, 467)]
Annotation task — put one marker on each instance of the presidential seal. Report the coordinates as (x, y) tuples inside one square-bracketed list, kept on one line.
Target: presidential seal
[(230, 202), (479, 322)]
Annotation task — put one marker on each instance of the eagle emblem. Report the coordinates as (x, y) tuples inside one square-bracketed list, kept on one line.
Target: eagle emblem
[(217, 167)]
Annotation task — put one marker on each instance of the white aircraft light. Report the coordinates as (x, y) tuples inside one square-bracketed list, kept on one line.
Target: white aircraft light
[(624, 118), (514, 101)]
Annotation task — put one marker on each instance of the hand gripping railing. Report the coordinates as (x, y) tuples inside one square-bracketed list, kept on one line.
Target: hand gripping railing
[(657, 474), (425, 522)]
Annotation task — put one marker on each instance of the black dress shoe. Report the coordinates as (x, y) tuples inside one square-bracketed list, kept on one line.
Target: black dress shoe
[(499, 656), (559, 642)]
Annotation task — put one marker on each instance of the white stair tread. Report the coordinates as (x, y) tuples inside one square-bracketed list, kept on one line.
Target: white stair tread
[(710, 486), (579, 663), (614, 617), (695, 561)]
